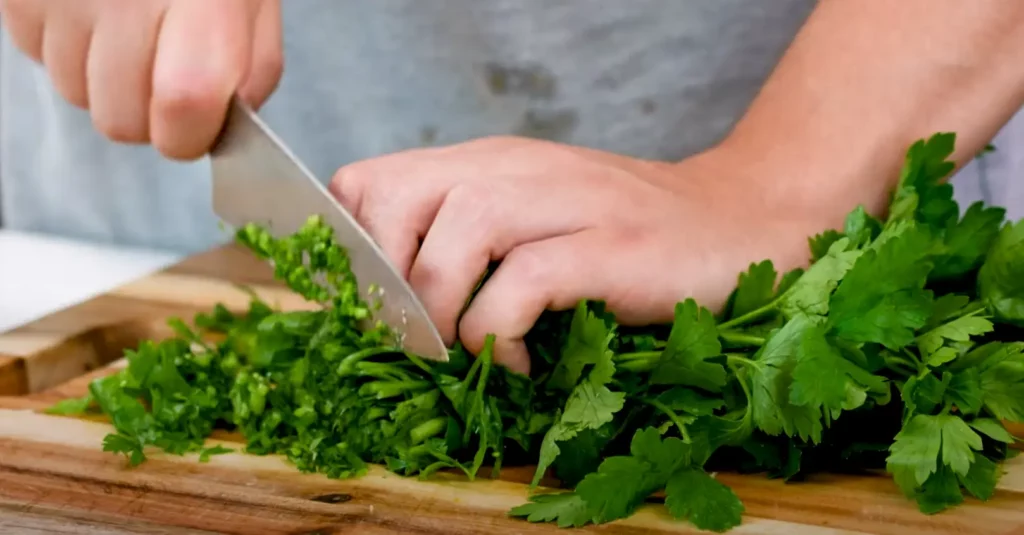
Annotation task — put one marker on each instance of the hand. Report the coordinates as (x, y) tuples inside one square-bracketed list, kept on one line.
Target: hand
[(159, 71), (569, 224)]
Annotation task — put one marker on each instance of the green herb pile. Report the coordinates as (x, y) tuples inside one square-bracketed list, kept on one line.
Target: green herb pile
[(897, 349)]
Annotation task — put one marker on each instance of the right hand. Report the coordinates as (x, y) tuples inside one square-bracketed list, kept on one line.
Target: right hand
[(154, 71)]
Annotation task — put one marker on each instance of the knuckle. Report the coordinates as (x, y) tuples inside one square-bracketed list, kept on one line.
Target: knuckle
[(477, 203), (186, 99), (531, 266), (473, 196)]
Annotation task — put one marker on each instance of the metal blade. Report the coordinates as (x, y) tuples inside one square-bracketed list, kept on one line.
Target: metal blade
[(257, 179)]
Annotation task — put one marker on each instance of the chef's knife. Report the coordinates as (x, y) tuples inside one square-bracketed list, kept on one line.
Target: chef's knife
[(257, 179)]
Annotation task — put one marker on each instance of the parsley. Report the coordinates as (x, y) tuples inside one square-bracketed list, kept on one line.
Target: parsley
[(897, 348), (694, 495), (1001, 278), (691, 343), (206, 453)]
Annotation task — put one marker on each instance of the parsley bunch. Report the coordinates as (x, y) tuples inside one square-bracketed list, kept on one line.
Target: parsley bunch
[(899, 348)]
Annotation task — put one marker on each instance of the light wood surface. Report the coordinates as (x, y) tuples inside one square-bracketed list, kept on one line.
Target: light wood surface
[(54, 478)]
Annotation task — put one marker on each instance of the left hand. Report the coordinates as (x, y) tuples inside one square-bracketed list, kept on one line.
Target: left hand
[(568, 224)]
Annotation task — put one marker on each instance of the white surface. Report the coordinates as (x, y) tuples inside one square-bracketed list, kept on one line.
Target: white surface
[(40, 274)]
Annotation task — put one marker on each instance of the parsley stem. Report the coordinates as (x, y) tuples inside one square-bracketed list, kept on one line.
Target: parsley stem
[(740, 339), (418, 362), (380, 370), (901, 364), (638, 355), (637, 362), (733, 358), (741, 377), (428, 429), (751, 316), (389, 389), (914, 360), (671, 416), (348, 364), (473, 369), (972, 308)]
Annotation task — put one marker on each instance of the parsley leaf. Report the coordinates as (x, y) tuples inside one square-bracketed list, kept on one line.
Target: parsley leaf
[(923, 393), (825, 381), (1001, 278), (992, 428), (941, 491), (810, 293), (881, 299), (958, 441), (692, 342), (914, 459), (915, 452), (756, 288), (821, 243), (590, 406), (961, 329), (772, 409), (622, 483), (1001, 371), (693, 495), (920, 194), (964, 391), (860, 227), (968, 240), (982, 478), (567, 509), (587, 344)]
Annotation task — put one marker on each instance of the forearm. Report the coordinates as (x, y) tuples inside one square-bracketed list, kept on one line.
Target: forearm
[(863, 79)]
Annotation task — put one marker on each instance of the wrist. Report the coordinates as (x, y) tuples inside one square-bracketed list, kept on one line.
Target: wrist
[(820, 183)]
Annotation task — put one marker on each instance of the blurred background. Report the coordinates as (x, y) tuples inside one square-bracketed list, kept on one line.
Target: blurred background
[(658, 79)]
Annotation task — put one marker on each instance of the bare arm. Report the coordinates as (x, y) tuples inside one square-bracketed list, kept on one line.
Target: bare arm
[(865, 78)]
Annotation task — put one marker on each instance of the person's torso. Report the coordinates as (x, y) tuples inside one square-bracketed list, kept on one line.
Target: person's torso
[(658, 79)]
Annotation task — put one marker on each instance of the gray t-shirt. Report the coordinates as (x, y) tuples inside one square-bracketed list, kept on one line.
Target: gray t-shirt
[(649, 78)]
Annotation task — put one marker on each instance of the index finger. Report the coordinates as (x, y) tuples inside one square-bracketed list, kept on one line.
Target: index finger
[(203, 55)]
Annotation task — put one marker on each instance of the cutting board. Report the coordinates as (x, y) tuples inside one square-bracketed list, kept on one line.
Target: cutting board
[(54, 478)]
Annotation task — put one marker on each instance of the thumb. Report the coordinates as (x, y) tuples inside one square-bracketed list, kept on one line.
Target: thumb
[(203, 54), (267, 62), (552, 274)]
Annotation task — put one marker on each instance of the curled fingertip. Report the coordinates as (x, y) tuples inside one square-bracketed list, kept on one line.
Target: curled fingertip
[(347, 187), (512, 354)]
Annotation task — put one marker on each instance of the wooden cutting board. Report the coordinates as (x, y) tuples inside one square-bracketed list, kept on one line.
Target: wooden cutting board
[(54, 478)]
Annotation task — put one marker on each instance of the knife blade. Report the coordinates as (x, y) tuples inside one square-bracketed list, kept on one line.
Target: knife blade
[(257, 179)]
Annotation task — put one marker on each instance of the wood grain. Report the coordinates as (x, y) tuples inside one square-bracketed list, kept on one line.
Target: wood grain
[(32, 519), (54, 478), (56, 463)]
